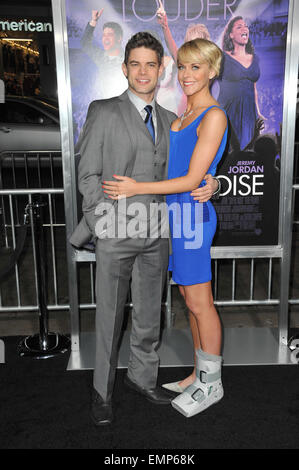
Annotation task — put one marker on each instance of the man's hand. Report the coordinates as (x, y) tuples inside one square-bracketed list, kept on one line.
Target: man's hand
[(161, 15), (205, 193), (95, 15)]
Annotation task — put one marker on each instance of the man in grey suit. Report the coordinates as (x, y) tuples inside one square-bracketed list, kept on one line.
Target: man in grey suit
[(126, 135)]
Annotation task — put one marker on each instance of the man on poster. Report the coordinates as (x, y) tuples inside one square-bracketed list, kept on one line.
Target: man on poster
[(128, 135), (108, 60)]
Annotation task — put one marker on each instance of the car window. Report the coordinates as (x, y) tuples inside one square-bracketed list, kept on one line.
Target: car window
[(17, 113)]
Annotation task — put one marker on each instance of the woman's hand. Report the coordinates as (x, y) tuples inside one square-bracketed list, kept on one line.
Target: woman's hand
[(95, 16), (124, 187), (205, 193), (161, 15)]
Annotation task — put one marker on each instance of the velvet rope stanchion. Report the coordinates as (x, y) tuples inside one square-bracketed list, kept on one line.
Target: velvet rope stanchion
[(45, 344)]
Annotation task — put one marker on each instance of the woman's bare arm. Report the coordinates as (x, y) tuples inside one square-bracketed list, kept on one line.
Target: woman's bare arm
[(210, 133), (163, 21)]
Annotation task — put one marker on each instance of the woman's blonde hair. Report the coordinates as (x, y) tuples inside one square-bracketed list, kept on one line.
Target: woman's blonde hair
[(201, 50)]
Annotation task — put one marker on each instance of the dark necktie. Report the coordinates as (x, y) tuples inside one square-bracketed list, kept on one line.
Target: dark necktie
[(149, 121)]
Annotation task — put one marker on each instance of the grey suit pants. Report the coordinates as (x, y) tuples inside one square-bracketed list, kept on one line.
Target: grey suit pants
[(118, 260)]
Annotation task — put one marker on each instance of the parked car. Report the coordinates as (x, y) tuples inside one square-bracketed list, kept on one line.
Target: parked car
[(28, 123), (30, 144)]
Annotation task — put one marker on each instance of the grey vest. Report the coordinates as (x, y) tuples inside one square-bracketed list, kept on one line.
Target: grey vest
[(107, 147), (150, 165)]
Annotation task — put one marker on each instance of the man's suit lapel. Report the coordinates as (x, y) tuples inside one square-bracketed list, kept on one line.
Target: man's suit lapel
[(131, 118), (125, 109)]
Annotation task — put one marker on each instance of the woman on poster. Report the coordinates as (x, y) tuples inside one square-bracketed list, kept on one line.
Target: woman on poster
[(239, 75), (197, 142), (193, 31)]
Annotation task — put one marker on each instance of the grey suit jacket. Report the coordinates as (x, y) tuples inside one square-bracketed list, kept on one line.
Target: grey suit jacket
[(106, 147)]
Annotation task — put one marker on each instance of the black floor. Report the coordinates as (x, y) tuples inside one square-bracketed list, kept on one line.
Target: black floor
[(45, 407)]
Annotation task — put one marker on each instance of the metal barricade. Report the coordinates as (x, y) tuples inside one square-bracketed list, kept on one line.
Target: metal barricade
[(243, 271), (21, 286), (19, 173), (294, 294)]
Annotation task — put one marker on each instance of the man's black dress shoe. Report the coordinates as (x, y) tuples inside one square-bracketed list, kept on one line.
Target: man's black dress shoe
[(154, 395), (101, 411)]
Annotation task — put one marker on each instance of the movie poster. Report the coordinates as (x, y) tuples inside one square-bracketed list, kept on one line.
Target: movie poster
[(250, 88)]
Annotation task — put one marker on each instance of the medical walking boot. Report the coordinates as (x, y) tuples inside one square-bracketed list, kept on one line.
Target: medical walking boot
[(206, 389)]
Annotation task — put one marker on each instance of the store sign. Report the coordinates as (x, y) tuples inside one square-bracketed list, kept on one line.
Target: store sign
[(25, 25)]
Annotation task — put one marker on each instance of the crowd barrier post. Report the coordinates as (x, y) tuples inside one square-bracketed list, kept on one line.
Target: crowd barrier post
[(45, 344)]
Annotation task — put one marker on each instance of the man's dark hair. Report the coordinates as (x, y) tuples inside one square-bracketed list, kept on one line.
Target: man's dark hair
[(144, 39), (116, 28)]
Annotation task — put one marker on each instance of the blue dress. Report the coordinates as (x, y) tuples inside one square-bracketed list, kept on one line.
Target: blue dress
[(192, 224), (237, 96)]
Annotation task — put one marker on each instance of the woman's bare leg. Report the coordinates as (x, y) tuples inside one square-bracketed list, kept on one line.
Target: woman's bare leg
[(206, 388), (199, 300), (196, 342), (204, 322)]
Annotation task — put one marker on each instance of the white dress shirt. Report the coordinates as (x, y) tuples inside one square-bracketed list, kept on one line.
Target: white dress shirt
[(140, 105)]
